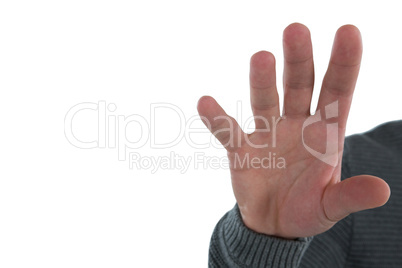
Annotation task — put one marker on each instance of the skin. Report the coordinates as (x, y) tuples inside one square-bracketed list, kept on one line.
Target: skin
[(306, 197)]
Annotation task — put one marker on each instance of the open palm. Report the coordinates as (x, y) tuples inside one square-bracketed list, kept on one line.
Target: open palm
[(286, 174)]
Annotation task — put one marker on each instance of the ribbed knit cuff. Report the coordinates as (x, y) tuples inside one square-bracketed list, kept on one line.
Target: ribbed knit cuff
[(247, 248)]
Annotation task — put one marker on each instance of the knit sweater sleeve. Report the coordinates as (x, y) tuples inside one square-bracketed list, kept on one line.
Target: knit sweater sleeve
[(235, 245)]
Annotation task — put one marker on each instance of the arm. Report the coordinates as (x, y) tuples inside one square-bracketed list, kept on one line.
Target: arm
[(305, 197)]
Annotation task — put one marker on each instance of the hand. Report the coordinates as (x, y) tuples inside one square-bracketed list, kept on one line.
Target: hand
[(302, 195)]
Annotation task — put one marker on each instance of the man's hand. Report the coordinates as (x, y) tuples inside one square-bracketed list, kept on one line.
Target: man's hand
[(303, 195)]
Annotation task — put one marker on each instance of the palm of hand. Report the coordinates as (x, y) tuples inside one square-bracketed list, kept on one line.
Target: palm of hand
[(283, 180)]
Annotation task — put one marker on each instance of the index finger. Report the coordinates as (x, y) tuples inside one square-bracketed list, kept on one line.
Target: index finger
[(343, 69)]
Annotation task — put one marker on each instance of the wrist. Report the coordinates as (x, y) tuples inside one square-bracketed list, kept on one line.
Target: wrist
[(262, 225)]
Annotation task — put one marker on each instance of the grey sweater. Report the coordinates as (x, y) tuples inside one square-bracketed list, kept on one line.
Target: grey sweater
[(370, 238)]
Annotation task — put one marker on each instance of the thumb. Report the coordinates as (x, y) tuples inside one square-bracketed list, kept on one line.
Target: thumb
[(354, 194)]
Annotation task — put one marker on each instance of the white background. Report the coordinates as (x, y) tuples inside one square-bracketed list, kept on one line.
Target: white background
[(62, 206)]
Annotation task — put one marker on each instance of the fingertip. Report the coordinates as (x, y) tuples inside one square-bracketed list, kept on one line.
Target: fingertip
[(208, 107), (371, 191), (377, 191), (204, 103), (297, 45), (262, 70), (384, 192), (349, 34), (348, 29), (295, 25), (262, 59), (295, 30), (348, 48)]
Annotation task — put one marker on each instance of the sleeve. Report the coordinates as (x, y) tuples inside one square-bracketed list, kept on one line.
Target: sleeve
[(235, 245), (330, 249)]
